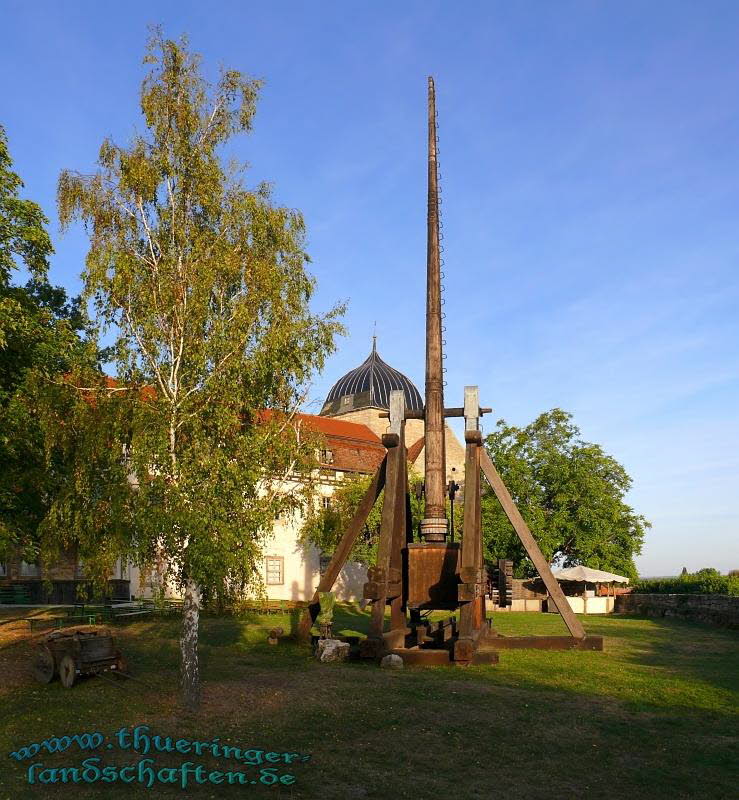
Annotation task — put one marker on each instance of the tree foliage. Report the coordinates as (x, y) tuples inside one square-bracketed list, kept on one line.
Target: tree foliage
[(571, 494), (41, 336), (204, 282), (323, 527), (23, 237)]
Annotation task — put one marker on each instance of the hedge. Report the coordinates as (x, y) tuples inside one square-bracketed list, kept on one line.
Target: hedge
[(690, 584)]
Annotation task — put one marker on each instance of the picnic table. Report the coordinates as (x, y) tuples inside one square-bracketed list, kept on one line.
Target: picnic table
[(78, 614), (268, 607), (126, 610), (95, 614)]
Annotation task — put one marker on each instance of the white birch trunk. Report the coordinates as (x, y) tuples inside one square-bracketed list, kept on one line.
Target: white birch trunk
[(189, 646)]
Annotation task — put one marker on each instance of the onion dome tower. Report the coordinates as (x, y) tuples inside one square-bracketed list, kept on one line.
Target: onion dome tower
[(369, 386)]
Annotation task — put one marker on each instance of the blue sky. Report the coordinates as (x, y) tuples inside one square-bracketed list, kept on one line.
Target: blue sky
[(590, 174)]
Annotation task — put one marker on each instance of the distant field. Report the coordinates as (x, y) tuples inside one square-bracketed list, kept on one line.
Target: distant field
[(654, 716)]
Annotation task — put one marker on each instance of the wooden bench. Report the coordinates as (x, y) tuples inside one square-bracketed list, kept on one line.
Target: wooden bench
[(124, 611), (270, 607), (144, 613)]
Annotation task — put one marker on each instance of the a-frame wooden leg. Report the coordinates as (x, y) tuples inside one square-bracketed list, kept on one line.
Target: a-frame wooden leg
[(400, 526), (385, 579), (341, 554), (470, 590), (480, 606), (532, 548)]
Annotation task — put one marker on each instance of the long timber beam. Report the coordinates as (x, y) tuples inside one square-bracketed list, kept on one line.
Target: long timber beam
[(532, 548)]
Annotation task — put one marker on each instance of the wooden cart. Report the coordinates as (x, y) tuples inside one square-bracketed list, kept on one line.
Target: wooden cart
[(72, 653)]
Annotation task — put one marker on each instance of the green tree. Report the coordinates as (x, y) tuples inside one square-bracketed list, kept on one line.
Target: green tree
[(40, 338), (571, 494), (324, 527), (205, 283), (23, 237)]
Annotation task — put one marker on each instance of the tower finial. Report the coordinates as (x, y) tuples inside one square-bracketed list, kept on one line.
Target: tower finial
[(374, 338)]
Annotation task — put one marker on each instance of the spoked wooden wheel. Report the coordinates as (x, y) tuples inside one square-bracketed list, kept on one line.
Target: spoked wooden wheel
[(67, 671), (43, 664)]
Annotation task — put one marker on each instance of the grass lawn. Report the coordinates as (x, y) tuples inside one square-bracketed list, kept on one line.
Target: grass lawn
[(654, 716)]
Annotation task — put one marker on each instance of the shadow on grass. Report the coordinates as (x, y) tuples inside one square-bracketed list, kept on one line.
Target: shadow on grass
[(647, 718), (371, 733), (687, 649)]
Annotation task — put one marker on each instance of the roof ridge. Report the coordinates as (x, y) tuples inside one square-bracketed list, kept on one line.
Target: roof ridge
[(373, 358)]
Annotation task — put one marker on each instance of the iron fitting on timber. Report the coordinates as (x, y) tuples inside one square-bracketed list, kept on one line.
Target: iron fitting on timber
[(434, 529)]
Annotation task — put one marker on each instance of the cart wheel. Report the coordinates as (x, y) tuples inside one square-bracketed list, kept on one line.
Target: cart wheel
[(43, 665), (67, 671)]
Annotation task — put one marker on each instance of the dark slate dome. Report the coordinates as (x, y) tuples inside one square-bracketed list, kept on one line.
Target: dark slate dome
[(369, 385)]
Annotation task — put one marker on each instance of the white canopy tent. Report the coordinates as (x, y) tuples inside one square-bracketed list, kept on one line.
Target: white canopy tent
[(588, 575)]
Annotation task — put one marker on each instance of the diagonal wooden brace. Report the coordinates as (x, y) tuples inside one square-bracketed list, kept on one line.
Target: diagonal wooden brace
[(341, 554), (532, 548)]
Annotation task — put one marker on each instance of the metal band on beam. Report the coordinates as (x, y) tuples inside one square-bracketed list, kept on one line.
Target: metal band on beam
[(412, 413)]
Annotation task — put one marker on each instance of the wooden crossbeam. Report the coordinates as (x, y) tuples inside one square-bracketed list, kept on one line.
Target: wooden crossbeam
[(532, 548), (543, 643), (420, 413)]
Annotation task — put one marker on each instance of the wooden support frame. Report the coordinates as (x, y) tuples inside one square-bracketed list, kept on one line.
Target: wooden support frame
[(470, 591), (434, 573), (543, 643), (385, 584)]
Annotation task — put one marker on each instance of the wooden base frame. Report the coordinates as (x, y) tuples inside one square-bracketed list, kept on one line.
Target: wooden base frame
[(543, 643)]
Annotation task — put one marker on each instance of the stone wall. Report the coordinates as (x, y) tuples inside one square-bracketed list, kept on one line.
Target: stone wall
[(715, 609)]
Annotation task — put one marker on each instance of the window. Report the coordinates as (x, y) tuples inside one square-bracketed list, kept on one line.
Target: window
[(29, 570), (326, 502), (327, 457), (275, 570), (3, 570)]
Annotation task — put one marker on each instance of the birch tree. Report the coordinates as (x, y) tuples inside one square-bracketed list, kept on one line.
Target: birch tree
[(204, 282)]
